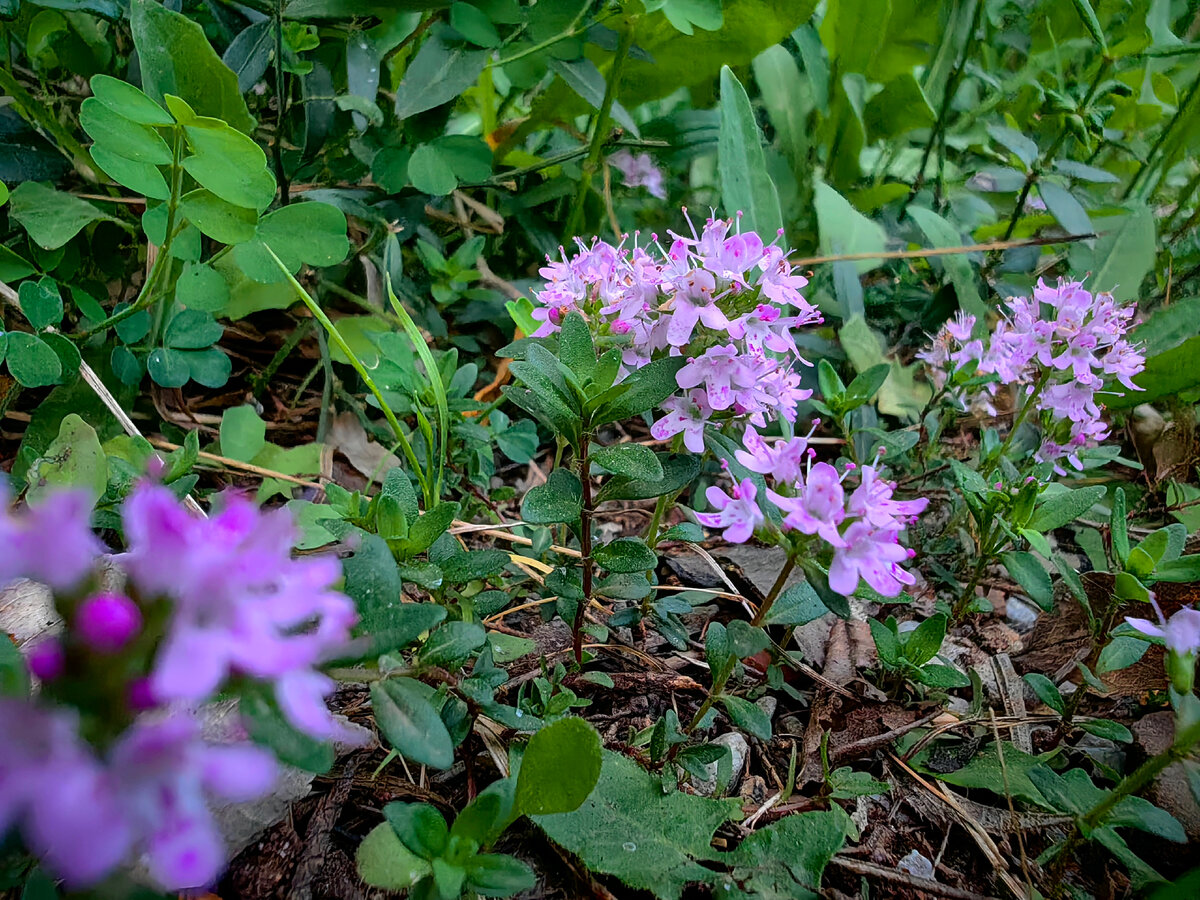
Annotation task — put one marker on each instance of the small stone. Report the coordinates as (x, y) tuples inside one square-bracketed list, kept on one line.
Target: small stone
[(1153, 734), (916, 865), (1022, 614), (768, 705)]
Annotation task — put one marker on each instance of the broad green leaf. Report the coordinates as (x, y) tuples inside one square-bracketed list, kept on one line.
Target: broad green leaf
[(797, 605), (630, 829), (117, 134), (410, 724), (169, 368), (983, 771), (844, 230), (631, 460), (420, 827), (576, 349), (373, 582), (452, 644), (243, 434), (625, 555), (1166, 375), (1122, 257), (1119, 527), (748, 716), (1031, 575), (438, 74), (192, 329), (144, 178), (74, 460), (218, 219), (32, 362), (51, 217), (1057, 510), (300, 233), (497, 874), (430, 173), (125, 99), (560, 768), (560, 499), (786, 859), (853, 31), (746, 186), (384, 862), (678, 473), (923, 642), (1062, 204), (958, 267), (899, 108), (200, 286), (784, 93), (1046, 691), (41, 302), (936, 675), (1185, 569), (176, 58), (229, 164), (645, 388)]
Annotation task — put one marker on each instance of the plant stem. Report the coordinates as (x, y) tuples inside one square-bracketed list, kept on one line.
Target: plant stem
[(599, 131), (585, 549), (1181, 115), (776, 588), (1022, 415), (281, 103), (336, 337), (660, 510)]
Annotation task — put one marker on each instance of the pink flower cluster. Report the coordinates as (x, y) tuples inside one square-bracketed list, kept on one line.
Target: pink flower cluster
[(1060, 346), (721, 296), (639, 171), (862, 525), (208, 601)]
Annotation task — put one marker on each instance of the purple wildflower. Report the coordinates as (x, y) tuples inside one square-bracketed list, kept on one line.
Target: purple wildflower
[(107, 622), (874, 554), (639, 171), (738, 514)]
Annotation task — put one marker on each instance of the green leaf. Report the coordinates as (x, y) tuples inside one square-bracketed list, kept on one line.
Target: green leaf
[(1046, 691), (625, 555), (887, 643), (200, 286), (634, 461), (1123, 256), (373, 582), (243, 434), (228, 164), (41, 302), (560, 499), (218, 219), (384, 862), (1031, 575), (266, 725), (798, 605), (643, 390), (420, 828), (51, 217), (936, 675), (748, 716), (853, 31), (786, 859), (1068, 211), (867, 384), (923, 642), (430, 173), (411, 725), (781, 87), (1107, 729), (192, 329), (117, 134), (1166, 375), (473, 24), (899, 108), (1059, 509), (630, 829), (1183, 570), (1119, 527), (451, 644), (210, 368), (678, 473), (560, 768), (32, 362), (300, 233), (14, 672), (176, 58), (984, 772), (746, 186), (439, 73), (137, 176), (846, 784), (75, 459), (1088, 15), (575, 347), (497, 874), (958, 266), (125, 99)]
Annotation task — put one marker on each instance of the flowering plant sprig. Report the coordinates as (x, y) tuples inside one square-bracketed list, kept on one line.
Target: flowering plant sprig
[(1058, 348), (107, 763)]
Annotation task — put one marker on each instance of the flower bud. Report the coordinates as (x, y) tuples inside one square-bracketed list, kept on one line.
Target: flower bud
[(140, 695), (1181, 669), (46, 659), (107, 622)]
